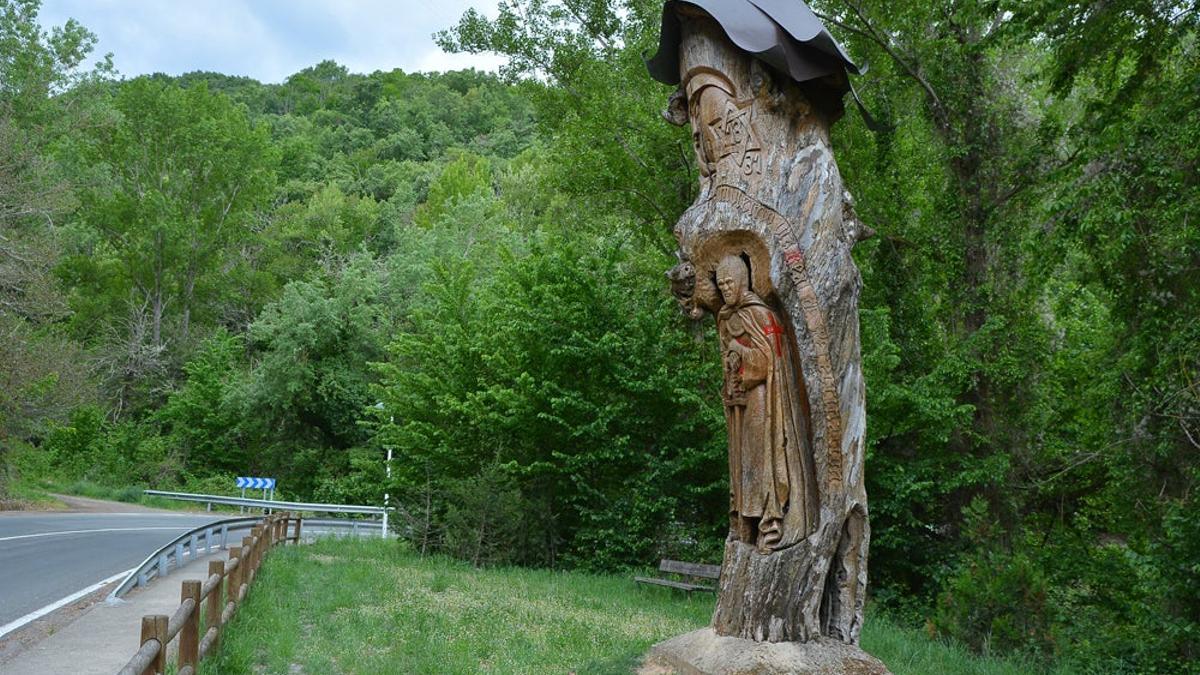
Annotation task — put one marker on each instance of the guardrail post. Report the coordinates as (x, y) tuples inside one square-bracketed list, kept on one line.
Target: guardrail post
[(179, 555), (208, 542), (194, 545), (189, 635), (154, 627), (224, 536), (162, 565), (215, 604)]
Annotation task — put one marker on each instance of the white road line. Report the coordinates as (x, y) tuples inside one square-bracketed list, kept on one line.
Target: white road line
[(106, 529), (37, 614)]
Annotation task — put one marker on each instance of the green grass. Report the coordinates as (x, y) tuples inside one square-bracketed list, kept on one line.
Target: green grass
[(910, 651), (25, 497), (373, 607), (130, 494), (40, 495)]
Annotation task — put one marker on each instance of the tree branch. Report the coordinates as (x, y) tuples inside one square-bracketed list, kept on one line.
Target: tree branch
[(941, 116)]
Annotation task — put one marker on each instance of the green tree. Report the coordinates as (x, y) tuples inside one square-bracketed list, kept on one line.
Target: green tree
[(567, 368), (40, 374), (200, 417), (188, 171), (300, 404)]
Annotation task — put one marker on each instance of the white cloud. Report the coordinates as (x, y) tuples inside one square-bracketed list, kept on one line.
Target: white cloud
[(438, 60)]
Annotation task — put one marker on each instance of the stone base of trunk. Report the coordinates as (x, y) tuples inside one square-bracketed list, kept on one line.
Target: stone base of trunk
[(703, 652)]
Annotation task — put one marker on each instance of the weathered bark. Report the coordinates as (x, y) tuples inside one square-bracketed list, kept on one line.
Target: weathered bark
[(771, 194)]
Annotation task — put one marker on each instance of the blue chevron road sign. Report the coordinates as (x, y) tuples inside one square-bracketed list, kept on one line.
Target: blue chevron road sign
[(263, 483)]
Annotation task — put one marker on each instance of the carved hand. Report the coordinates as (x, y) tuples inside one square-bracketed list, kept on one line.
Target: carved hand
[(734, 356)]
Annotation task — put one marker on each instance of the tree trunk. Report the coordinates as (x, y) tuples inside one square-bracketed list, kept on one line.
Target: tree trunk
[(157, 299), (189, 290), (772, 195)]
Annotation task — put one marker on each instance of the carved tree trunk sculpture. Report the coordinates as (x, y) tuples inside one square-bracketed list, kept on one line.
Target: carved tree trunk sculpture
[(772, 196)]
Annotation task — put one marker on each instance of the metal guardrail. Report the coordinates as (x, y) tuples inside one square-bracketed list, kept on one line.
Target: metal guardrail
[(157, 564), (268, 504), (346, 527), (215, 536)]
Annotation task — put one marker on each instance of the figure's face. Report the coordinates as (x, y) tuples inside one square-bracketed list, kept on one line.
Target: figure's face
[(730, 285), (707, 106)]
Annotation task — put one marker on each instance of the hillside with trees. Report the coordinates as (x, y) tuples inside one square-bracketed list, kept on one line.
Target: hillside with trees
[(205, 276)]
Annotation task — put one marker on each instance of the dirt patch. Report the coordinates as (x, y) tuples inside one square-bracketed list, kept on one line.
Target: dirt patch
[(21, 505), (88, 505)]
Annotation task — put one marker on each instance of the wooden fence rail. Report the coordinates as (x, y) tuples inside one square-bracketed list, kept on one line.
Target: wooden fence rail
[(218, 595)]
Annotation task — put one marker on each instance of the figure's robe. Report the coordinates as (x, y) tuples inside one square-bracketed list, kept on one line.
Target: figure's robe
[(772, 483)]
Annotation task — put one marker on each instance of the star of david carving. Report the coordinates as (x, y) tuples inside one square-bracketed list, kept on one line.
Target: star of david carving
[(736, 136)]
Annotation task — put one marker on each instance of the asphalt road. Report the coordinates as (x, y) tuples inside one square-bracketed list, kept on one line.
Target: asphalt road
[(45, 557)]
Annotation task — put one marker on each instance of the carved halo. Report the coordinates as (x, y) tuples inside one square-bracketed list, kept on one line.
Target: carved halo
[(708, 254)]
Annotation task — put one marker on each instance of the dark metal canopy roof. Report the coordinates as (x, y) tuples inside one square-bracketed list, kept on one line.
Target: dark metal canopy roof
[(785, 34)]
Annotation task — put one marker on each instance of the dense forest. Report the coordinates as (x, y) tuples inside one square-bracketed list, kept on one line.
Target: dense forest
[(205, 276)]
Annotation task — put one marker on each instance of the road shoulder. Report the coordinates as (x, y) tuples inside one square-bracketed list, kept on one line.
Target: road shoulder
[(108, 634)]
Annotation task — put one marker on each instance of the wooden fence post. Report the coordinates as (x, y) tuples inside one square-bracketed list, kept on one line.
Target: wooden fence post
[(215, 604), (189, 634), (233, 587), (154, 627), (256, 544), (299, 520), (247, 565)]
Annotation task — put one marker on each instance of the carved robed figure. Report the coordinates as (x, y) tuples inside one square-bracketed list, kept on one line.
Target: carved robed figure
[(765, 249), (770, 470)]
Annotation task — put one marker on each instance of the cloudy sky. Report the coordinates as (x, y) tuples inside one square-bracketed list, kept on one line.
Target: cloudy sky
[(270, 39)]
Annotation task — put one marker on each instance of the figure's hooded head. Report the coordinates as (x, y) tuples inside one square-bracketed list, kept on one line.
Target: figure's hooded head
[(733, 279), (784, 34)]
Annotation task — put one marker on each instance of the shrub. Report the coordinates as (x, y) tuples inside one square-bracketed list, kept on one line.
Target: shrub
[(484, 518), (996, 598)]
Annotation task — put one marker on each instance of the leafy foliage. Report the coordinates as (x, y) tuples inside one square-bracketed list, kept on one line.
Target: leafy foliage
[(205, 275), (542, 367)]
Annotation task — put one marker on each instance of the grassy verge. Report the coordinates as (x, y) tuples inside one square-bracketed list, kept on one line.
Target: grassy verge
[(130, 494), (372, 607), (25, 497), (39, 495)]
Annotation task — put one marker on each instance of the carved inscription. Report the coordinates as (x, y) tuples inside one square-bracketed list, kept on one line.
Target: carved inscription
[(814, 315)]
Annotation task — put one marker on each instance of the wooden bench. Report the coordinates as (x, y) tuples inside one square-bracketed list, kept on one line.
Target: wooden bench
[(693, 571)]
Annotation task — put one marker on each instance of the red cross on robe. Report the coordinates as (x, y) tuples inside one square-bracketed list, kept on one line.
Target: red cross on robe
[(773, 328)]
